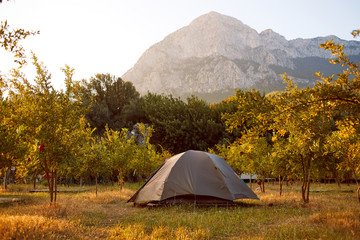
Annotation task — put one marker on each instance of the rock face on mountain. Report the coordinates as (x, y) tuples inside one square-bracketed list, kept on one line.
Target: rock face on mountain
[(216, 54)]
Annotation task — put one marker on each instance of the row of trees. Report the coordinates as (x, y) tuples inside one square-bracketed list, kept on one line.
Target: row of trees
[(178, 125), (304, 134), (46, 131), (80, 131)]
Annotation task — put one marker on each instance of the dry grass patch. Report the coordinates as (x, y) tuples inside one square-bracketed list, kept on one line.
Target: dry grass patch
[(331, 214), (37, 227), (140, 231), (342, 220)]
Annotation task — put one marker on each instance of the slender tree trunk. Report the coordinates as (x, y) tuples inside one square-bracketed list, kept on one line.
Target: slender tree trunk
[(120, 179), (358, 189), (55, 183), (81, 181), (306, 179), (263, 184), (308, 190), (112, 179), (305, 188), (5, 178), (280, 184), (337, 180), (251, 181), (51, 186), (96, 185), (34, 181)]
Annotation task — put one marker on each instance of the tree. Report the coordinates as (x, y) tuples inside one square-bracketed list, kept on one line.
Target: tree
[(340, 94), (93, 160), (308, 126), (282, 156), (345, 144), (120, 152), (51, 119), (307, 116), (178, 125), (107, 97), (145, 158), (11, 148), (283, 114), (255, 157), (253, 113)]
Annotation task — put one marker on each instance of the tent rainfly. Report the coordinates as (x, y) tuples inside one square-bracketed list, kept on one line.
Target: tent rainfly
[(196, 177)]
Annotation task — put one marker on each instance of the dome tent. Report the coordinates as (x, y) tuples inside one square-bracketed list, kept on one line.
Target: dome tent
[(193, 176)]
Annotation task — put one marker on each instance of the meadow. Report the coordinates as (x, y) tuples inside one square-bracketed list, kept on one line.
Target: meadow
[(333, 213)]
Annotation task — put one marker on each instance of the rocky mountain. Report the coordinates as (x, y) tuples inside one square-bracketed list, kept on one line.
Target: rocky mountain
[(216, 54)]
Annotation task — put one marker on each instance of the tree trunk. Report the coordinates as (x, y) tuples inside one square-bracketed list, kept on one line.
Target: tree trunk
[(81, 181), (96, 185), (305, 188), (5, 178), (55, 183), (337, 180), (358, 190), (120, 179), (51, 186), (112, 179), (251, 181), (34, 181), (280, 184), (308, 190), (263, 184)]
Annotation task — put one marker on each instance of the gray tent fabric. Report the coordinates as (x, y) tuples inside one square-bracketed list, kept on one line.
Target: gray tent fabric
[(193, 176)]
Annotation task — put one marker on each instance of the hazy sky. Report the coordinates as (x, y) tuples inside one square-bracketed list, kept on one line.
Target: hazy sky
[(109, 36)]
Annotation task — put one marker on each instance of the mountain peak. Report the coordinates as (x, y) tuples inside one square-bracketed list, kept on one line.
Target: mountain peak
[(210, 34), (216, 53), (215, 17), (212, 15)]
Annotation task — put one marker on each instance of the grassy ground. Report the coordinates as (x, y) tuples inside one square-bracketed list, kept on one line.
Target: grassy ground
[(332, 213)]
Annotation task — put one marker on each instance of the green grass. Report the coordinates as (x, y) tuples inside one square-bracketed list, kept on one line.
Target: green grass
[(332, 213)]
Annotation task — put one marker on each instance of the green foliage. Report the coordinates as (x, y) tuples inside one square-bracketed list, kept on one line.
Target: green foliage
[(50, 119), (307, 134), (181, 126), (252, 112), (107, 97), (301, 121), (118, 156), (11, 146)]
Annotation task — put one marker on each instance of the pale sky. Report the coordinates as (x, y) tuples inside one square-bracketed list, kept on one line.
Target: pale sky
[(109, 36)]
